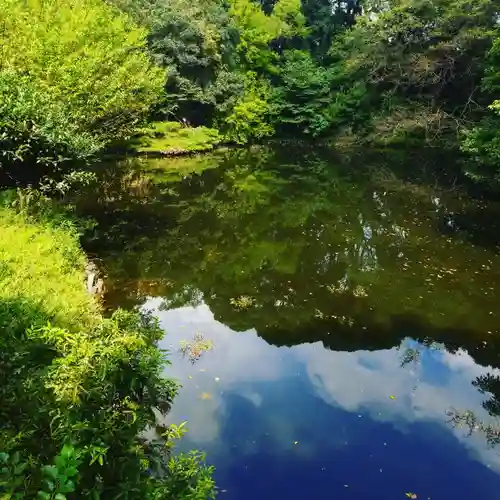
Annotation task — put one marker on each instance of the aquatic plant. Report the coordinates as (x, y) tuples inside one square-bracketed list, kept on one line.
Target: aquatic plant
[(195, 348)]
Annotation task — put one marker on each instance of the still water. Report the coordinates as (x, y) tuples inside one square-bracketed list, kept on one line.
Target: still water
[(333, 319)]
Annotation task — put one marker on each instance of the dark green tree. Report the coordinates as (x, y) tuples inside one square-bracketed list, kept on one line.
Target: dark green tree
[(302, 99)]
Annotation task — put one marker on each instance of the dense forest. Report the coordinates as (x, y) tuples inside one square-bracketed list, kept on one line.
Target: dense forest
[(80, 76)]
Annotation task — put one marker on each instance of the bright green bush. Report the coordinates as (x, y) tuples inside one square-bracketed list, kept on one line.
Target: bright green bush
[(41, 271), (73, 76), (78, 391), (249, 119)]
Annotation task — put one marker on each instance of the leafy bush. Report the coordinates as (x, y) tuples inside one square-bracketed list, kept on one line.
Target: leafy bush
[(482, 142), (303, 100), (73, 76), (79, 391), (249, 119)]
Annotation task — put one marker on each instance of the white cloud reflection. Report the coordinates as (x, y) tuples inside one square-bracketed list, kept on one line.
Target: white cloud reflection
[(371, 383)]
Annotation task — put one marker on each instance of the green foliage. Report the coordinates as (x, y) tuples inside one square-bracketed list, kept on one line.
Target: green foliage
[(42, 266), (78, 390), (194, 42), (249, 119), (72, 77), (257, 31), (303, 100), (325, 20), (187, 480), (482, 142), (174, 138), (33, 128), (414, 67)]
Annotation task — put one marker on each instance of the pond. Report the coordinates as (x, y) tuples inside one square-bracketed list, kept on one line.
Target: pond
[(332, 317)]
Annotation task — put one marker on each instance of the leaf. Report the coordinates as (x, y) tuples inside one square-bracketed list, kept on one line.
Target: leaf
[(51, 471), (68, 487), (19, 468), (71, 471), (67, 451), (60, 462), (49, 485), (43, 495), (60, 496)]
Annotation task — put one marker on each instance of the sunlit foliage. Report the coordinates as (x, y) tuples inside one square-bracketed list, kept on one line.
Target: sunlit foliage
[(78, 391), (73, 76)]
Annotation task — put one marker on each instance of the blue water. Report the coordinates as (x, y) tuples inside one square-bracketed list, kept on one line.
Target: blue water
[(351, 308), (307, 422)]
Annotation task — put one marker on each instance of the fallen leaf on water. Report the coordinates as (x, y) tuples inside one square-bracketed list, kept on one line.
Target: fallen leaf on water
[(205, 395), (190, 376), (295, 442), (413, 496), (392, 397)]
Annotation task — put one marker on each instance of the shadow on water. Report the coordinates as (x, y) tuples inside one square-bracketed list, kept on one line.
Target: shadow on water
[(373, 276)]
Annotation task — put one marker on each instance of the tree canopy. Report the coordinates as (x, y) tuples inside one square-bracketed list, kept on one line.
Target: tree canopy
[(384, 71)]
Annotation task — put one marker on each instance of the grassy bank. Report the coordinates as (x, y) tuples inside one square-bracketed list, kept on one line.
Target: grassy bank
[(174, 139), (77, 389), (42, 271)]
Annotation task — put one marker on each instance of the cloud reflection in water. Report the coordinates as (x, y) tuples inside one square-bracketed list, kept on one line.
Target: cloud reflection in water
[(248, 402)]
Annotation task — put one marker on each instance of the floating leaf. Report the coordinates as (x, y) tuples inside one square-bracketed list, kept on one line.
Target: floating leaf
[(392, 397)]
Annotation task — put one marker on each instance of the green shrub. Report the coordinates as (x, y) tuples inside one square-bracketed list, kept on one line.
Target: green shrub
[(42, 272), (73, 76), (78, 390), (249, 119)]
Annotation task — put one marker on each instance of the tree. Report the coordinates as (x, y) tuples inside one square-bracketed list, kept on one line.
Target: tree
[(482, 140), (195, 43), (421, 59), (249, 118), (73, 77), (302, 100)]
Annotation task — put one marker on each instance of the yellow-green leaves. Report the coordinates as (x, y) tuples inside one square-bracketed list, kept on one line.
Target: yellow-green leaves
[(81, 77), (249, 117)]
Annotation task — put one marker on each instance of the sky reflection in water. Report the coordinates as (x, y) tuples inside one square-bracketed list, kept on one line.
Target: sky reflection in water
[(348, 259), (307, 422)]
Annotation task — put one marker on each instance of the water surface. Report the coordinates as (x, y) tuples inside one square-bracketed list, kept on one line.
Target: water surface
[(332, 317)]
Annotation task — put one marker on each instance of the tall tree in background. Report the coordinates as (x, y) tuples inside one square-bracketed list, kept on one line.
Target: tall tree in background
[(195, 43)]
